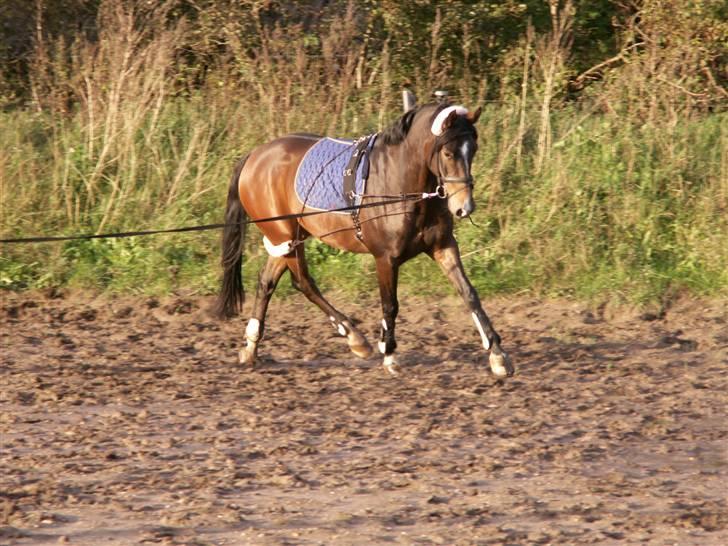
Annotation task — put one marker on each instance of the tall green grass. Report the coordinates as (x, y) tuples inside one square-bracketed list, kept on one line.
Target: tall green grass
[(636, 212), (623, 194)]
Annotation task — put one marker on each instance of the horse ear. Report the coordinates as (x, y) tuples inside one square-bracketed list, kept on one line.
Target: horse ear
[(473, 116), (449, 120)]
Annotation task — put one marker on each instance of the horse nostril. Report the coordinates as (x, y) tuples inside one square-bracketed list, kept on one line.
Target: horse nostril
[(461, 213)]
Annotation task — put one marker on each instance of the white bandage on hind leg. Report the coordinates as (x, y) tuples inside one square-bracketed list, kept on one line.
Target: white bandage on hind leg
[(283, 249), (252, 330), (443, 115), (486, 342)]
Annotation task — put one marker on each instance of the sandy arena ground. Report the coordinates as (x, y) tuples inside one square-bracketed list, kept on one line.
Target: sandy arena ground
[(128, 421)]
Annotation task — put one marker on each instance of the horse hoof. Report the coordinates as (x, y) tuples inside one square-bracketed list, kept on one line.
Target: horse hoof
[(362, 350), (246, 357), (390, 364), (500, 365), (358, 344)]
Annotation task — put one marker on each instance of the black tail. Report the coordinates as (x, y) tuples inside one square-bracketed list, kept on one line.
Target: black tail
[(232, 295)]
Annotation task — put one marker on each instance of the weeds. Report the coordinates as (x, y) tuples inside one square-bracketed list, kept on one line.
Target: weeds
[(623, 193)]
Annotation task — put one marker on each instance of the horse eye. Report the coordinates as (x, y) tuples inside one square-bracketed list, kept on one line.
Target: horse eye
[(448, 154)]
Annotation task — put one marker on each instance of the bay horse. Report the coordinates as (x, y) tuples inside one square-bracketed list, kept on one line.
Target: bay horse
[(429, 149)]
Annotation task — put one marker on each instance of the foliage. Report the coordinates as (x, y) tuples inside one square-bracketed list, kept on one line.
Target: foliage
[(602, 171)]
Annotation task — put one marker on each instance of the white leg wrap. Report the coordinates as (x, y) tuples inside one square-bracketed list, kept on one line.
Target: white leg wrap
[(486, 343), (283, 249), (252, 331), (382, 346)]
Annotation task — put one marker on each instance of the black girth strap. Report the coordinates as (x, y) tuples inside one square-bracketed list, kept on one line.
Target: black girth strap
[(359, 157)]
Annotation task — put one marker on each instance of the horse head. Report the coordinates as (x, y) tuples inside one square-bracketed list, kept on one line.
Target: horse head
[(456, 141)]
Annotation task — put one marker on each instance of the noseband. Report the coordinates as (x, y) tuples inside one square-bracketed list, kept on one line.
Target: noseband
[(467, 181)]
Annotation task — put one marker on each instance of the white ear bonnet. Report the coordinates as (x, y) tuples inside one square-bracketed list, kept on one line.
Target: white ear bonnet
[(443, 115)]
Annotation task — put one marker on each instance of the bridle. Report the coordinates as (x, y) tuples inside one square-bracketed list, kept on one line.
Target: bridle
[(466, 181)]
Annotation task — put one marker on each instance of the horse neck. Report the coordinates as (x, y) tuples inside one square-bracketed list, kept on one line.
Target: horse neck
[(416, 152), (409, 159)]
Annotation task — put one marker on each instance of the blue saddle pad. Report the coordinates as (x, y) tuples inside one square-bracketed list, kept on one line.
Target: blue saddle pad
[(320, 176)]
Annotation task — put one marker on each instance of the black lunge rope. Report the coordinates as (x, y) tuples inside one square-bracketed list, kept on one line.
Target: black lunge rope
[(391, 200)]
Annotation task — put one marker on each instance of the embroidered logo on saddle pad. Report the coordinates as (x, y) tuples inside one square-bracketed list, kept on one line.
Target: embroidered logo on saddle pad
[(320, 176)]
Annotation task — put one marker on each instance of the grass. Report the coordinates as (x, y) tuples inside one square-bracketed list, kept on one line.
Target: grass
[(618, 210), (628, 201)]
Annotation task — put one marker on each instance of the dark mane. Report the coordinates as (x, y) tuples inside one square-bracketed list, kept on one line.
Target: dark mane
[(397, 132)]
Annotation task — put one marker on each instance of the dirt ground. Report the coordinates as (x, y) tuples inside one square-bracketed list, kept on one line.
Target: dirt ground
[(128, 421)]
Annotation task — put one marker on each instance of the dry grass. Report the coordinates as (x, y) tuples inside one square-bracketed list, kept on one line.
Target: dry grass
[(624, 192)]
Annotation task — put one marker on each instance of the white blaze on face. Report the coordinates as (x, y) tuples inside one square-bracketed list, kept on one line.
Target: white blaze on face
[(476, 320), (465, 151)]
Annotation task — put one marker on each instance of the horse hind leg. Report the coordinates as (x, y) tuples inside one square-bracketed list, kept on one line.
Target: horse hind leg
[(303, 281), (267, 282)]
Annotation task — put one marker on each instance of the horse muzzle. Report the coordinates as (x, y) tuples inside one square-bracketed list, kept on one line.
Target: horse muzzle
[(466, 210), (460, 202)]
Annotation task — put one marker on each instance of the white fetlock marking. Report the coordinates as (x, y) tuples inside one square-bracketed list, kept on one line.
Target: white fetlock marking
[(252, 331), (443, 115), (342, 327), (486, 342), (382, 346), (384, 324), (283, 249), (390, 364)]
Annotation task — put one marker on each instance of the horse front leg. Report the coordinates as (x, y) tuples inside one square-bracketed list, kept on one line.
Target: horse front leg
[(447, 257), (387, 272)]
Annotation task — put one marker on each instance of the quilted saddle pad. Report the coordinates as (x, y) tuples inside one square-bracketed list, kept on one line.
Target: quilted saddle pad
[(320, 176)]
